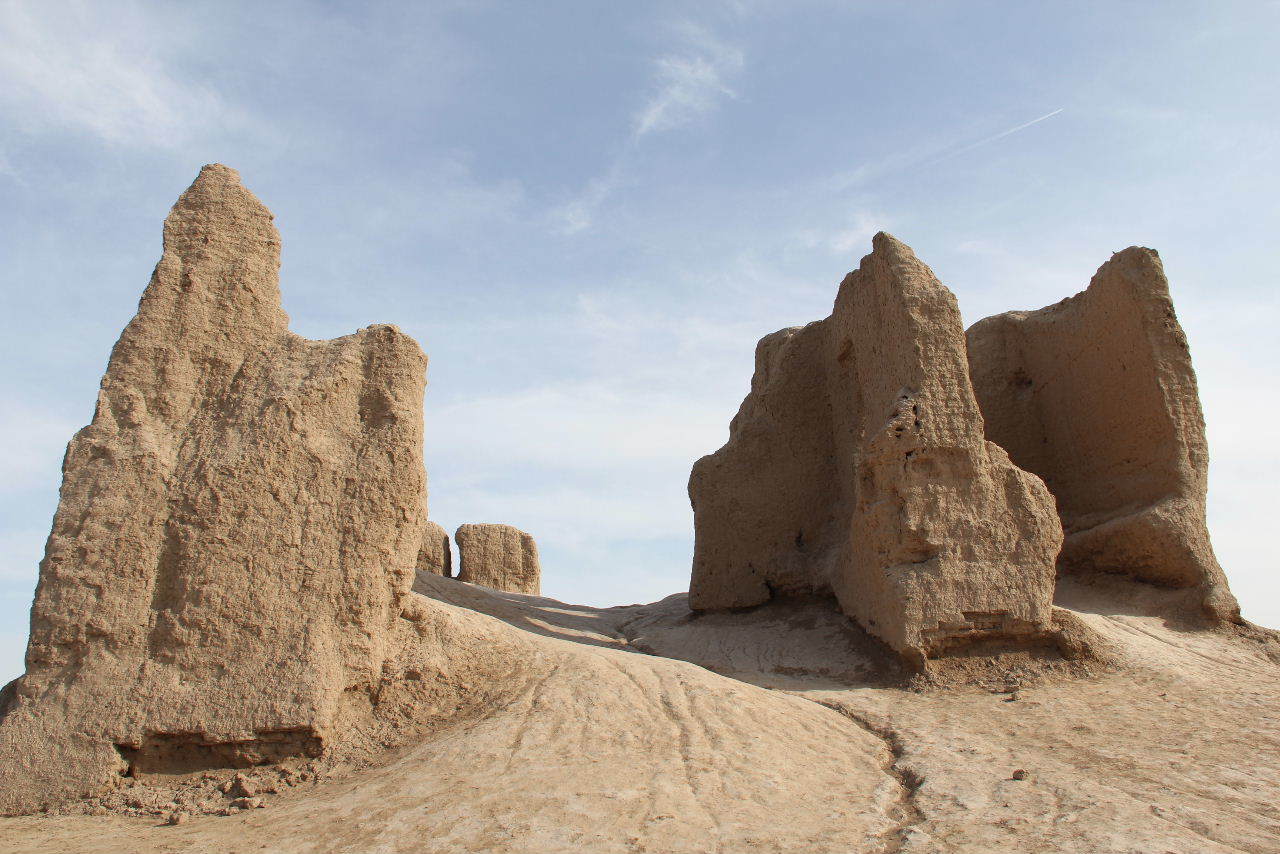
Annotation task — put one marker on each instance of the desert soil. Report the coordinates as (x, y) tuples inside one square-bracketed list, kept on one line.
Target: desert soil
[(647, 729)]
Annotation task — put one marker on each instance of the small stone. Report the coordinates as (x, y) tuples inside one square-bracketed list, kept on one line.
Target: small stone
[(1020, 774), (177, 818), (247, 803)]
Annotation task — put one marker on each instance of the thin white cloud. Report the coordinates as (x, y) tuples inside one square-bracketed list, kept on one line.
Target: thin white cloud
[(687, 84), (579, 213), (851, 239), (100, 69), (691, 83)]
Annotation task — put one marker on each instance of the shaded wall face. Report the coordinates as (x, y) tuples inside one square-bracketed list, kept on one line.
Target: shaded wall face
[(1097, 395), (1073, 393), (765, 505)]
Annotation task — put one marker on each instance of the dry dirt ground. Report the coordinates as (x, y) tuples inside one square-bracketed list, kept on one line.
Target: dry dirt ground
[(645, 729)]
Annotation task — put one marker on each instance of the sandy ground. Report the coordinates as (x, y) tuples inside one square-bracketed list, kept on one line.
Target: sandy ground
[(644, 729)]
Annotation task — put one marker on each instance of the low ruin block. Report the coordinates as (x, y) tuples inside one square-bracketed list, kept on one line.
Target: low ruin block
[(1097, 395), (434, 555), (498, 556)]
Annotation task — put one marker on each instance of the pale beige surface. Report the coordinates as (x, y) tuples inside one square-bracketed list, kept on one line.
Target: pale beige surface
[(1097, 395), (858, 465), (597, 747), (499, 557)]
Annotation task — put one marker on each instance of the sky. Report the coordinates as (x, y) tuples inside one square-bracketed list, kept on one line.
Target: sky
[(587, 213)]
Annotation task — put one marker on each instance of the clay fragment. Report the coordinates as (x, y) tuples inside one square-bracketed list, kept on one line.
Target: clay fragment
[(1097, 395), (498, 556)]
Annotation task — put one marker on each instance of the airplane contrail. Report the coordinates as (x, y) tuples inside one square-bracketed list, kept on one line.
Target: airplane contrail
[(901, 162), (993, 138)]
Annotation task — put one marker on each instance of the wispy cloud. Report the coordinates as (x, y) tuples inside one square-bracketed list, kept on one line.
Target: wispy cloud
[(687, 83), (101, 69), (852, 237), (690, 83), (579, 213)]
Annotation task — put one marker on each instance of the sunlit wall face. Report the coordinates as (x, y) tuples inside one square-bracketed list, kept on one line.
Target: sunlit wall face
[(588, 213)]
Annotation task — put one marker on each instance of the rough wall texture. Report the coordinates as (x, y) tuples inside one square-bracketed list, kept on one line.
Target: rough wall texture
[(500, 557), (236, 530), (1096, 394), (434, 555), (857, 464)]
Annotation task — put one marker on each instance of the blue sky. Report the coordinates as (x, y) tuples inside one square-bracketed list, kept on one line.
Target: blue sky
[(588, 213)]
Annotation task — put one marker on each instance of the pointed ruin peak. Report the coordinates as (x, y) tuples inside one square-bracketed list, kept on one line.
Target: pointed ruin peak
[(883, 241), (891, 256), (217, 173), (217, 213), (1137, 268), (218, 185), (220, 269), (893, 272), (892, 250)]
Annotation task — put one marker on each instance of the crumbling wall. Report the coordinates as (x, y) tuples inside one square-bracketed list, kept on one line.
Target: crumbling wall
[(1097, 395), (857, 464), (236, 531)]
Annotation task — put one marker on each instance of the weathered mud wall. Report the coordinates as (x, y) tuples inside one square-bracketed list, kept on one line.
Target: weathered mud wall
[(1097, 395), (236, 532), (858, 465)]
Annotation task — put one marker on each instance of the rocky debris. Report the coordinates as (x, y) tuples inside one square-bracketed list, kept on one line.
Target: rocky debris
[(498, 556), (243, 786), (434, 554), (227, 583), (1096, 394), (857, 465)]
